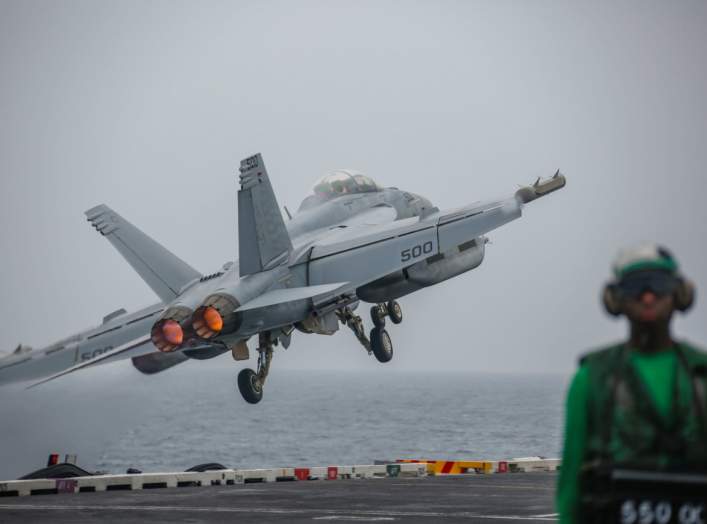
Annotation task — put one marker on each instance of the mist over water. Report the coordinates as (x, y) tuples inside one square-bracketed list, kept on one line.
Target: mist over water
[(193, 414)]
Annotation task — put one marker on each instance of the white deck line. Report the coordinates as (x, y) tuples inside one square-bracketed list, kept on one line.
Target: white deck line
[(241, 476)]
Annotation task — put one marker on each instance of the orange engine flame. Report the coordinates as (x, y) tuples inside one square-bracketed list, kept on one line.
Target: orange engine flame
[(213, 319), (173, 332)]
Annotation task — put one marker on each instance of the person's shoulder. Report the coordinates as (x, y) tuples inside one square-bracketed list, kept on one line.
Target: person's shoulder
[(695, 355), (601, 354), (692, 347)]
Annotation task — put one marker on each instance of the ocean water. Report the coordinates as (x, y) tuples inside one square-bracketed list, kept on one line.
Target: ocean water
[(118, 419)]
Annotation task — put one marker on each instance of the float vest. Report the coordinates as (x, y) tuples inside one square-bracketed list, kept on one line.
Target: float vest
[(624, 425)]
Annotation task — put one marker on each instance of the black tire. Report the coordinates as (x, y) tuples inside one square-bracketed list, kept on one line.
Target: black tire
[(378, 317), (381, 345), (395, 312), (251, 392)]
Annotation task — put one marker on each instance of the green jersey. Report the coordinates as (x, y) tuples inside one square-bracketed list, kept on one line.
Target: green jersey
[(628, 407)]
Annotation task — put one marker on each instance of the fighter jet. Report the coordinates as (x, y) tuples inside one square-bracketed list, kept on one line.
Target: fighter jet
[(350, 241)]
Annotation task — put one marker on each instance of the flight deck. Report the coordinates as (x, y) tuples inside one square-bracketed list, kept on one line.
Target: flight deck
[(526, 497)]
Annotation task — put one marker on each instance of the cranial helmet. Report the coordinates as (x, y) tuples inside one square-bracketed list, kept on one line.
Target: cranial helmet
[(648, 257)]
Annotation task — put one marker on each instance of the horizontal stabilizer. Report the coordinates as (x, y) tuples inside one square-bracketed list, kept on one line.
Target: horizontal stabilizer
[(263, 240), (163, 271)]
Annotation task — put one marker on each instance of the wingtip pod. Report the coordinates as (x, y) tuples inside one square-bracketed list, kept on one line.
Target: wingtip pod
[(541, 188)]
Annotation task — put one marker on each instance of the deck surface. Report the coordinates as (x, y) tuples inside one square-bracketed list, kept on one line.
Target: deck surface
[(526, 497)]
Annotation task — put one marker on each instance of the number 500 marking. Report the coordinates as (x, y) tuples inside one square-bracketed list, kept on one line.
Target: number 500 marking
[(416, 251)]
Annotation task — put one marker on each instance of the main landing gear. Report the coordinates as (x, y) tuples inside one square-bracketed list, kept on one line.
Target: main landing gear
[(378, 342), (250, 383)]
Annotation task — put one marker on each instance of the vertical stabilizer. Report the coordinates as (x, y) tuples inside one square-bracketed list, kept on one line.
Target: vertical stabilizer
[(263, 240), (163, 271)]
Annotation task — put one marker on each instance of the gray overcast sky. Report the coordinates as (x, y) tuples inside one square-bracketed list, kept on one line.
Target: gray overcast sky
[(149, 107)]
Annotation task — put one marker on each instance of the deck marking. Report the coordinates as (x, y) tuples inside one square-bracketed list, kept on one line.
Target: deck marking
[(274, 511), (353, 518)]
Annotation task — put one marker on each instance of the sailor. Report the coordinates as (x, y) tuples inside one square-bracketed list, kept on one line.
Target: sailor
[(640, 403)]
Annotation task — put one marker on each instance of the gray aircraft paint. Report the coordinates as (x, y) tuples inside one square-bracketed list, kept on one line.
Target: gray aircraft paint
[(81, 347), (330, 255), (148, 108), (143, 253)]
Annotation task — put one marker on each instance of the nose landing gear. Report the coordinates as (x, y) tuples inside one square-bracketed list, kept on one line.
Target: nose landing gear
[(378, 342), (390, 309)]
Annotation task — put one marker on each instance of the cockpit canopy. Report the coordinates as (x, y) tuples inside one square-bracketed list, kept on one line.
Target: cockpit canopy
[(340, 182)]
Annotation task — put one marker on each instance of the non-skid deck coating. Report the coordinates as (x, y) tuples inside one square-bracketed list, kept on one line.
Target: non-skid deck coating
[(524, 497)]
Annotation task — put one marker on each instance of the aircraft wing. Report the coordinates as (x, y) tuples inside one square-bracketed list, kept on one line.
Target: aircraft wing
[(134, 348), (141, 351), (362, 255)]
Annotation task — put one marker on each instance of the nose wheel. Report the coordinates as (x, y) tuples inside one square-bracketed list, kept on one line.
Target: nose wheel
[(250, 383), (390, 309), (395, 312)]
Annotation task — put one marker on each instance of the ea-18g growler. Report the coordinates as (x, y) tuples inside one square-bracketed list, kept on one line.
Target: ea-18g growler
[(350, 241)]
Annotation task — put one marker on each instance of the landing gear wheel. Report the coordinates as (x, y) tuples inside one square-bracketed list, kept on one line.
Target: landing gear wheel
[(378, 316), (381, 345), (395, 312), (249, 385)]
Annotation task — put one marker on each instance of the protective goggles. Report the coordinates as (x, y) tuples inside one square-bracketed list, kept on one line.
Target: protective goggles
[(660, 283)]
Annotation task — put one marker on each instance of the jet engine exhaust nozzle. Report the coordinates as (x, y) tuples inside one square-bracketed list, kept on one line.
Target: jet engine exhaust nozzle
[(215, 316), (212, 319), (172, 329), (167, 335)]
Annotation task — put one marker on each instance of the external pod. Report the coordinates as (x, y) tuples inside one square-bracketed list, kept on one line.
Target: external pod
[(428, 272)]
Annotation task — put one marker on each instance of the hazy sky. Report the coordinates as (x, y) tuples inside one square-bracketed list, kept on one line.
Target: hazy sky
[(148, 107)]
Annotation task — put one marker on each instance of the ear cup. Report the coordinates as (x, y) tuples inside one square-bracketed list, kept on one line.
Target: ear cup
[(610, 298), (684, 295)]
